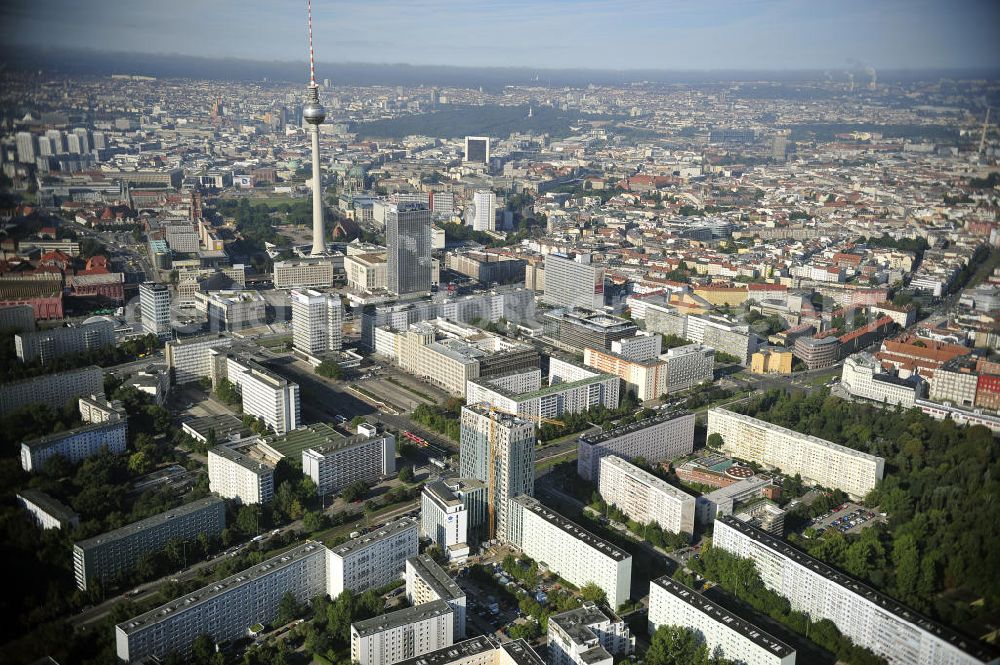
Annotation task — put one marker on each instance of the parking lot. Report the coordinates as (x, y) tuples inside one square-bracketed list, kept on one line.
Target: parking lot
[(847, 518)]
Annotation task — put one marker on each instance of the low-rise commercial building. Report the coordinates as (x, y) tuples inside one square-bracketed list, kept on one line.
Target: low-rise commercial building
[(871, 619), (643, 497), (660, 437), (47, 512), (224, 610), (236, 475), (771, 361), (334, 461), (673, 604), (426, 582), (724, 500), (587, 636), (568, 550), (817, 352), (110, 555), (374, 559), (74, 445), (818, 461)]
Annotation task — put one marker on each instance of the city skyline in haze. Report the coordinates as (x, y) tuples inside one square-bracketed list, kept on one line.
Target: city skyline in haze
[(597, 34)]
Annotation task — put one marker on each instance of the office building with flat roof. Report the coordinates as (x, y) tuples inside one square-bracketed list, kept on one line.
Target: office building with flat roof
[(567, 392), (407, 633), (582, 329), (190, 358), (426, 582), (52, 389), (658, 438), (646, 379), (862, 376), (724, 500), (373, 559), (47, 345), (574, 281), (334, 461), (110, 555), (723, 335), (587, 636), (272, 398), (224, 610), (236, 475), (47, 512), (232, 310), (568, 550), (317, 322), (871, 619), (75, 445), (818, 461), (304, 273), (643, 497), (499, 450), (673, 604), (154, 305), (453, 513), (688, 366)]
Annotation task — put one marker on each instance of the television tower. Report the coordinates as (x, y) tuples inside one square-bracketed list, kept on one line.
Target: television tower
[(314, 114)]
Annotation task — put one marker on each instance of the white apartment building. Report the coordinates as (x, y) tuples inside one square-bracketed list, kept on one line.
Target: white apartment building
[(485, 206), (871, 619), (334, 462), (862, 376), (373, 559), (191, 359), (523, 394), (481, 650), (587, 636), (426, 582), (47, 512), (644, 497), (723, 501), (234, 475), (105, 557), (818, 461), (499, 450), (154, 306), (75, 445), (53, 389), (317, 322), (641, 346), (304, 273), (266, 395), (571, 552), (226, 609), (723, 335), (98, 409), (646, 378), (573, 282), (688, 366), (658, 438), (673, 604), (47, 345), (407, 633)]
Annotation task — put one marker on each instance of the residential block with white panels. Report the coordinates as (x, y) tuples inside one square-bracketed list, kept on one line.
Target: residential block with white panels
[(817, 460), (235, 475), (870, 618), (390, 638), (673, 604), (587, 636), (317, 321), (272, 398), (645, 498), (660, 437), (190, 357), (568, 550), (426, 581), (373, 559), (75, 445), (334, 462)]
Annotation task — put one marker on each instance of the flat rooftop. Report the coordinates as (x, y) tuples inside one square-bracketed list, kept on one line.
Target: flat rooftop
[(408, 615), (47, 504), (966, 644), (749, 631), (224, 424), (153, 522), (647, 478), (374, 537), (332, 444), (187, 601), (436, 577), (576, 622), (614, 433), (247, 462), (459, 651), (521, 653), (199, 339), (572, 528)]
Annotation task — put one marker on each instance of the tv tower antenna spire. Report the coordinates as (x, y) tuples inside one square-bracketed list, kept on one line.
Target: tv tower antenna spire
[(314, 114), (312, 57)]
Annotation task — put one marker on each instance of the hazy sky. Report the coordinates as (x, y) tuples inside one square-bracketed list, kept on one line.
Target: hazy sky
[(608, 34)]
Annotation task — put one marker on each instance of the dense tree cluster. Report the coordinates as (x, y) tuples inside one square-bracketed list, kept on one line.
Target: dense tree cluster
[(331, 369), (940, 480), (677, 645), (652, 532)]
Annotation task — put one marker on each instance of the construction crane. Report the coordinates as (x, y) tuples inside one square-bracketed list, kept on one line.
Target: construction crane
[(982, 137), (491, 456)]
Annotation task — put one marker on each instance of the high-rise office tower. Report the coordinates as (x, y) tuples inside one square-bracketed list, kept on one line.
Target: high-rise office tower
[(154, 306), (508, 469), (408, 239), (314, 114), (573, 281), (477, 149), (26, 152), (486, 211), (316, 322)]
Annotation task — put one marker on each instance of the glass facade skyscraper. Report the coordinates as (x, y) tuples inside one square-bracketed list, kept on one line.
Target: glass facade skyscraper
[(408, 239)]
